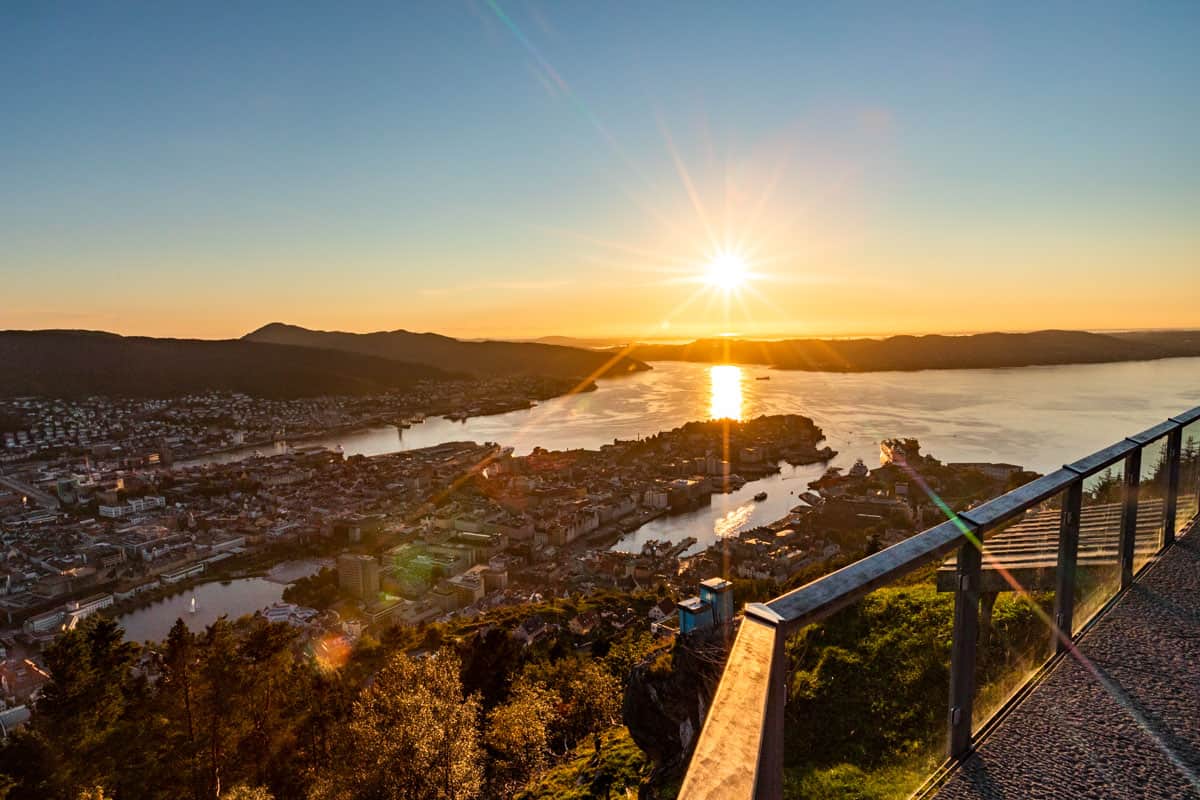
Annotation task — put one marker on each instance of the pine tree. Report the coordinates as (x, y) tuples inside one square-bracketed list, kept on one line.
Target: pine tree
[(221, 705), (177, 695), (82, 707)]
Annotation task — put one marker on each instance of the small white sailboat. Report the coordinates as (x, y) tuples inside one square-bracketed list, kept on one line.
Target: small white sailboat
[(193, 609)]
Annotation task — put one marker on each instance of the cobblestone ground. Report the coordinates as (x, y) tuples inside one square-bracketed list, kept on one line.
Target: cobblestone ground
[(1124, 725)]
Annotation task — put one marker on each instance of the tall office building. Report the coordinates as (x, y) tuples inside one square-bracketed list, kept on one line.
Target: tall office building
[(359, 575)]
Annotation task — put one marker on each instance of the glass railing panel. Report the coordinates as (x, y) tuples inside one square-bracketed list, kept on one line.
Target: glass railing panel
[(1189, 477), (1017, 587), (1098, 564), (867, 694), (1152, 495)]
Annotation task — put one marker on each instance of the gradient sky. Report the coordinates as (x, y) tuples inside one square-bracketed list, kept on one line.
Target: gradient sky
[(526, 168)]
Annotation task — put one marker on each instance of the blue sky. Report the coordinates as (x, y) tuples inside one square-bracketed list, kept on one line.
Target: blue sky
[(522, 168)]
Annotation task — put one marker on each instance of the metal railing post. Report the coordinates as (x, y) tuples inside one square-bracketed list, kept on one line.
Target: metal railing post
[(1068, 554), (964, 648), (1171, 501), (1129, 512)]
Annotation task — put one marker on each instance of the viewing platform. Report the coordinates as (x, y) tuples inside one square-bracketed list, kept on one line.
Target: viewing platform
[(1097, 697), (1120, 718)]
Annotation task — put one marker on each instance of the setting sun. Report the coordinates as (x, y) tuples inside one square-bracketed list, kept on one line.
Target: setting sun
[(727, 271)]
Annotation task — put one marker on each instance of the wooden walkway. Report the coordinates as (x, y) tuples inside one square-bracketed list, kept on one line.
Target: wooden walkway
[(1120, 718)]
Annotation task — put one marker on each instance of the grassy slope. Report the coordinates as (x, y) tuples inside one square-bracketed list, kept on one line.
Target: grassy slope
[(621, 766)]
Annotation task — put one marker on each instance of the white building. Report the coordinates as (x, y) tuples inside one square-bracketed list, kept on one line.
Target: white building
[(78, 610), (138, 505), (181, 574)]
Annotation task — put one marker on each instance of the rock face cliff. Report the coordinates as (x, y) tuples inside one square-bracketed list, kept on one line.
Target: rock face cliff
[(665, 709)]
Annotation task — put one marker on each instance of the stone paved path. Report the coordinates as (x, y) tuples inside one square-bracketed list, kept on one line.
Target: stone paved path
[(1128, 729)]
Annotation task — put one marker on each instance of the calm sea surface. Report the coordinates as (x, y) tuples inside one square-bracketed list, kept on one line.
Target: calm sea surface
[(1039, 417)]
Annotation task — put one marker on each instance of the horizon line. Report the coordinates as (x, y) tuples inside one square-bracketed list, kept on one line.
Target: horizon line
[(621, 339)]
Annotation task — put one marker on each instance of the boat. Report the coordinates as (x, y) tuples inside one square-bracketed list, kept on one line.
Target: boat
[(763, 378), (193, 608), (760, 497)]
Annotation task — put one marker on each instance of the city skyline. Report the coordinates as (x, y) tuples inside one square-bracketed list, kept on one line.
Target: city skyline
[(516, 170)]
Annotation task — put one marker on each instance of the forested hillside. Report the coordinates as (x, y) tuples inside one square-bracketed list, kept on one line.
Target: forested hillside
[(84, 363)]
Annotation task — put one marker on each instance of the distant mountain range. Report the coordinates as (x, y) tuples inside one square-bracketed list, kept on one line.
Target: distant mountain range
[(933, 352), (287, 361), (80, 363), (484, 358)]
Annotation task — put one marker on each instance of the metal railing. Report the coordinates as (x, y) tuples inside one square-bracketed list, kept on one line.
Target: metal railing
[(740, 752)]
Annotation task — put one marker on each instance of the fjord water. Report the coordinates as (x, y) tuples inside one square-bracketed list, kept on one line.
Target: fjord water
[(1038, 417), (1034, 416)]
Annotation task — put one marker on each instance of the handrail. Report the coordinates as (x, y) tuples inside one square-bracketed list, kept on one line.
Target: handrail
[(817, 600), (739, 753), (1012, 504)]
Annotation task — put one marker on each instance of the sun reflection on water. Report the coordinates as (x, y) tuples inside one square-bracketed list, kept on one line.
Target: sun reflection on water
[(731, 522), (726, 397)]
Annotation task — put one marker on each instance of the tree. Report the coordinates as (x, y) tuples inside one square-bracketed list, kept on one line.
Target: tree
[(244, 792), (93, 793), (82, 708), (29, 767), (411, 736), (268, 674), (518, 738), (490, 663), (629, 651), (1107, 488), (589, 697), (220, 723), (177, 695), (319, 591)]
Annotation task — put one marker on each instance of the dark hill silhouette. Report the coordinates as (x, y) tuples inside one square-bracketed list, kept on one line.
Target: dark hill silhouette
[(489, 358), (933, 352), (1179, 343), (65, 363)]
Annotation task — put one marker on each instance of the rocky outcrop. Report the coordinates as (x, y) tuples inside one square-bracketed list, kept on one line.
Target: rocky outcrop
[(665, 709)]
